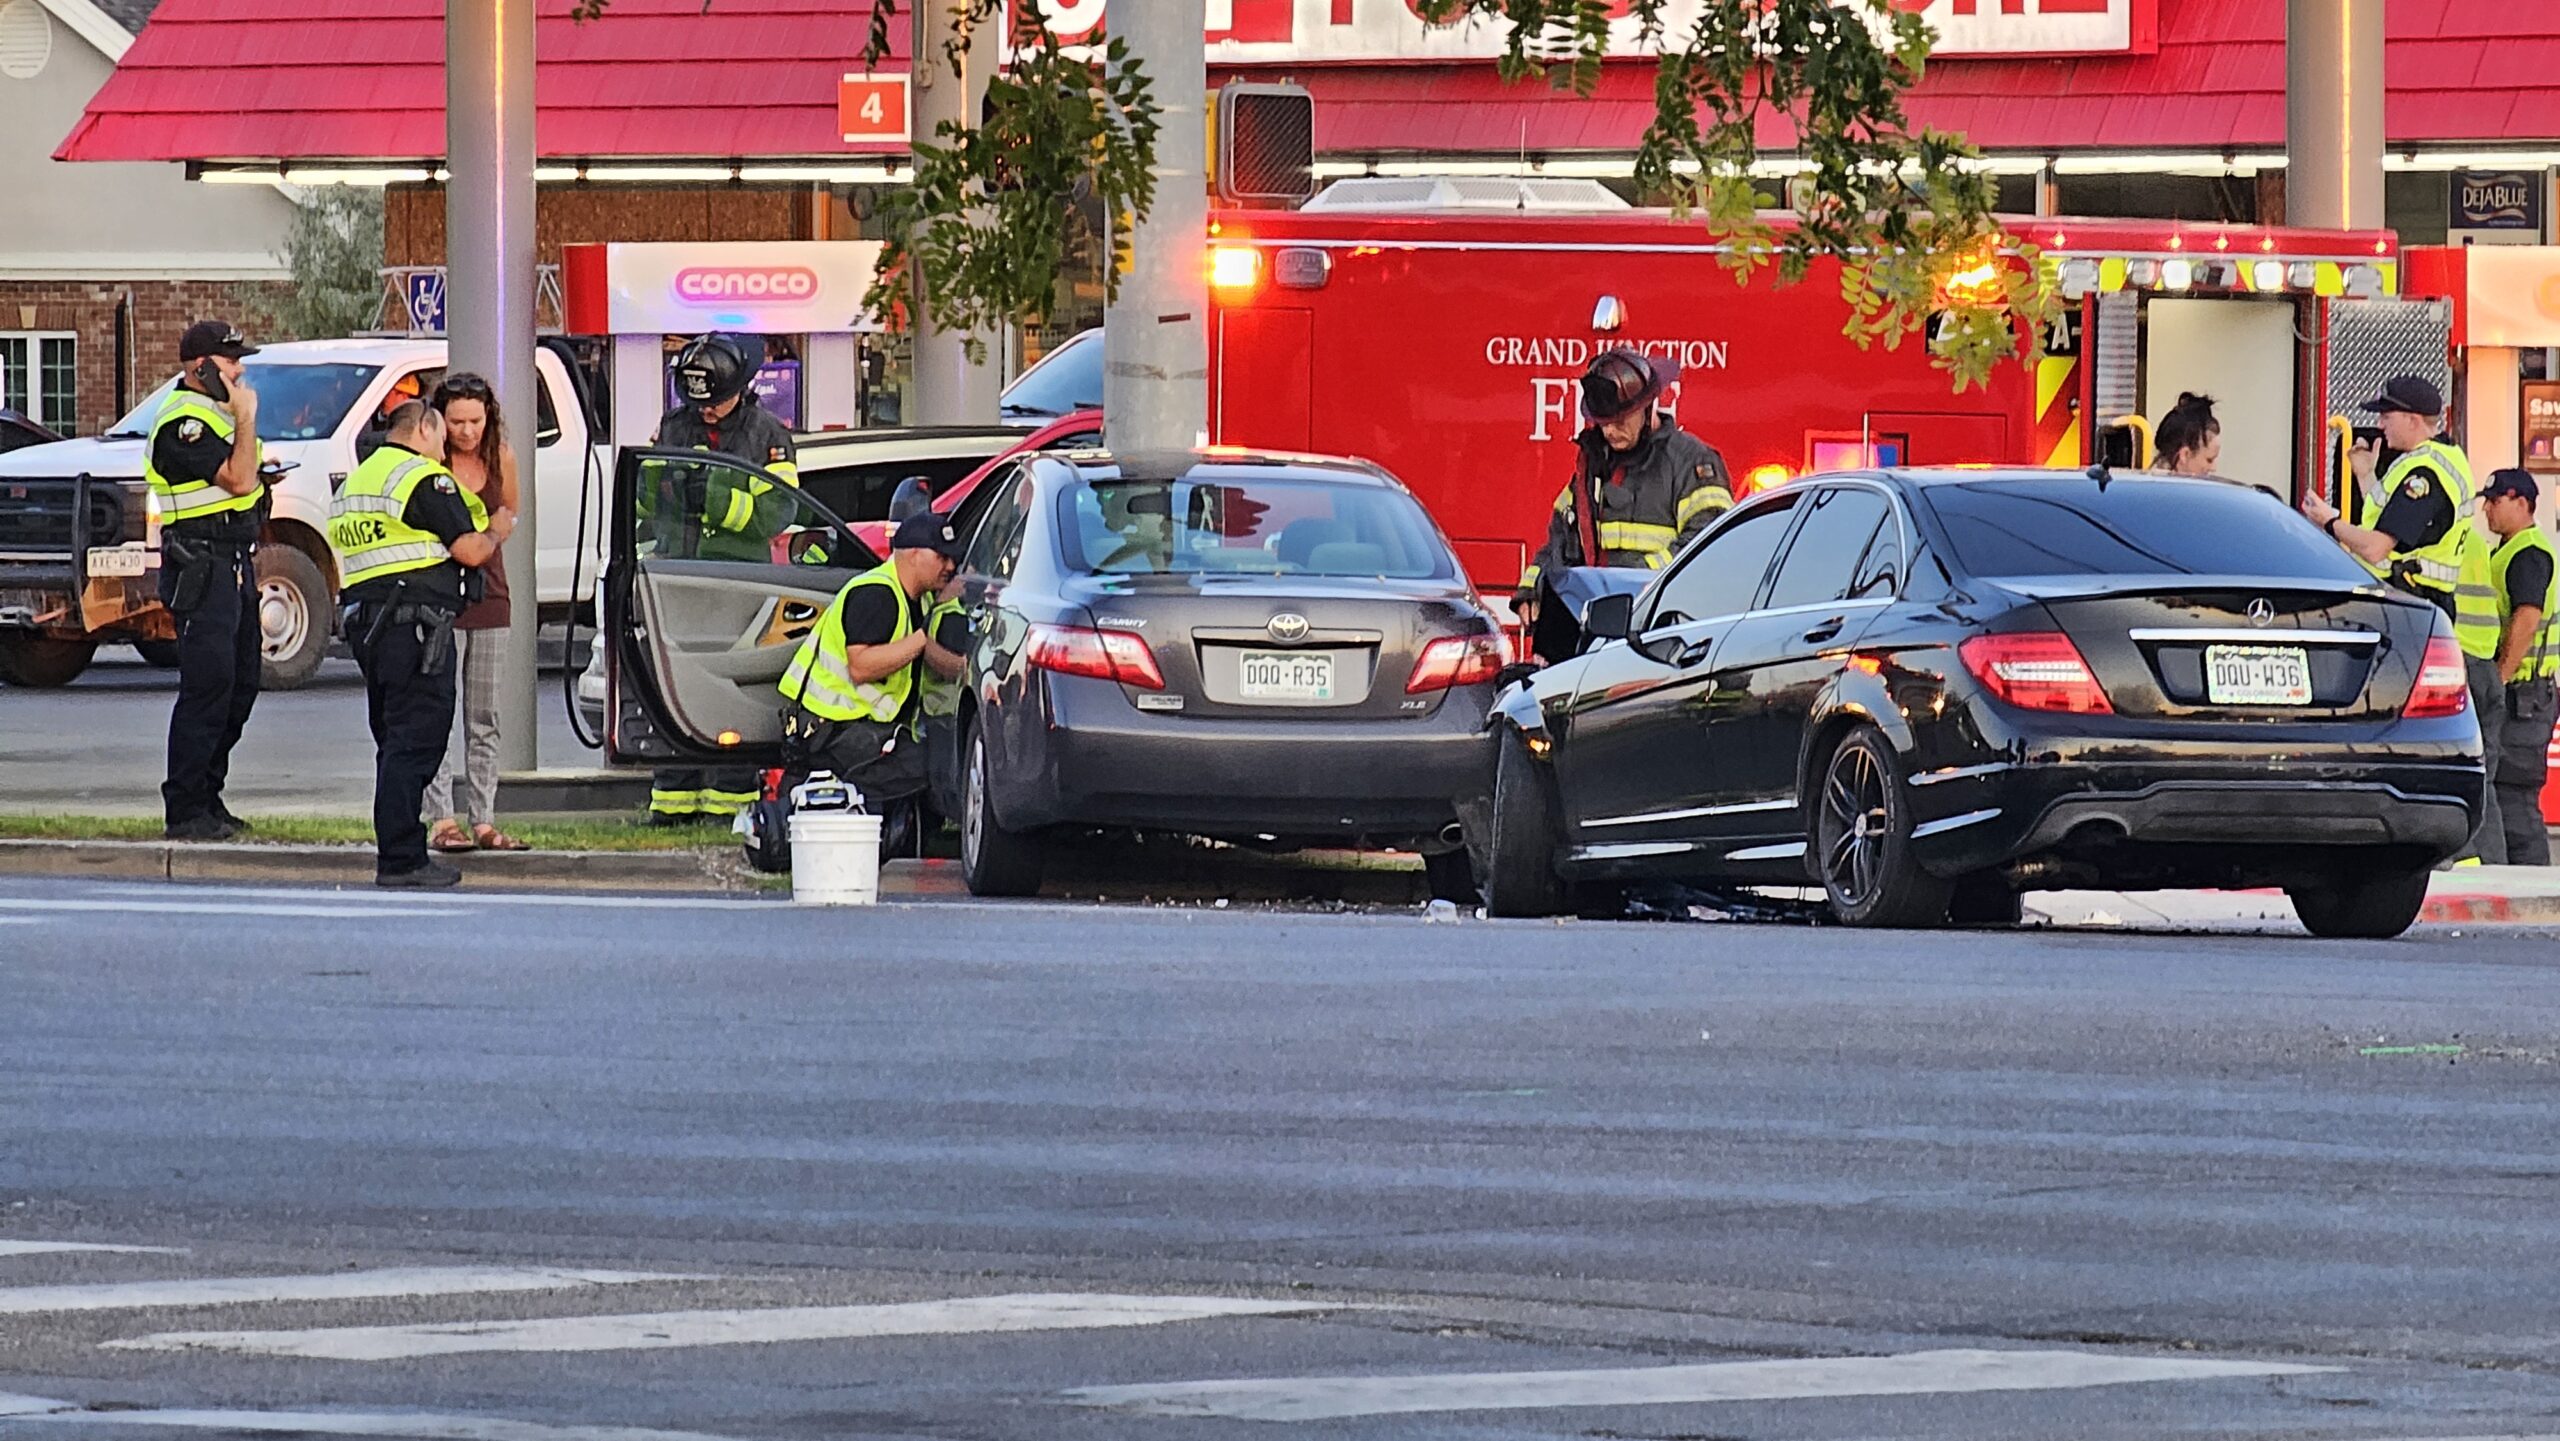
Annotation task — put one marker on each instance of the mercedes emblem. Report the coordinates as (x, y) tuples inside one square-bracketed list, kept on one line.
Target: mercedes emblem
[(1288, 627), (2262, 612)]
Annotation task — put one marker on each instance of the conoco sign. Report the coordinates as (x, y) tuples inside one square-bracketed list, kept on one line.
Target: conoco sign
[(773, 287), (1301, 32)]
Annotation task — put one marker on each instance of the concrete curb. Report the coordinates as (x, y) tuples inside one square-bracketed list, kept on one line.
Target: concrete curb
[(693, 870)]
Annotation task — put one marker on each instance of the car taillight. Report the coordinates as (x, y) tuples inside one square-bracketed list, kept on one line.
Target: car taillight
[(1455, 660), (2036, 670), (1101, 654), (2443, 687)]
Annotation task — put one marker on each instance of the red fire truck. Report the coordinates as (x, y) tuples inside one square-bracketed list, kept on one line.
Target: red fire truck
[(1437, 326)]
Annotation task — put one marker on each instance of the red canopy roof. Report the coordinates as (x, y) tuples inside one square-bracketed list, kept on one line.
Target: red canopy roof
[(364, 80)]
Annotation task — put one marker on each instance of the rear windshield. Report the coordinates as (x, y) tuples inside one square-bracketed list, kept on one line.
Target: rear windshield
[(2135, 526), (295, 402), (1251, 527), (1067, 379)]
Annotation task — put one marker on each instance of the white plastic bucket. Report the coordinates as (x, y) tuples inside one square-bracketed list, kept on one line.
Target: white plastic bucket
[(835, 858)]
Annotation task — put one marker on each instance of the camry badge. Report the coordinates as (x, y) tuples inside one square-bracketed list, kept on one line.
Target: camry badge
[(1288, 626), (2261, 612)]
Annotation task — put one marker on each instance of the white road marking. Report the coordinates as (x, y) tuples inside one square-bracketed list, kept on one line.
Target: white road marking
[(1920, 1373), (452, 901), (423, 1426), (368, 911), (666, 1330), (46, 1248), (326, 1286)]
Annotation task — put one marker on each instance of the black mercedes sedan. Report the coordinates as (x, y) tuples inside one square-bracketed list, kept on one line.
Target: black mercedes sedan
[(1271, 650), (1929, 692)]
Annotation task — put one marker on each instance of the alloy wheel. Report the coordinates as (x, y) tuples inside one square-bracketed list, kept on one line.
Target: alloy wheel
[(1853, 804), (973, 809)]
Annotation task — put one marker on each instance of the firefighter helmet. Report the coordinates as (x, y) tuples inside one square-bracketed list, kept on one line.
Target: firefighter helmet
[(713, 370), (1619, 380)]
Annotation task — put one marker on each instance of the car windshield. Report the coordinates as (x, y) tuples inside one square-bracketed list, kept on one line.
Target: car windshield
[(1067, 379), (1251, 526), (2132, 526), (295, 402)]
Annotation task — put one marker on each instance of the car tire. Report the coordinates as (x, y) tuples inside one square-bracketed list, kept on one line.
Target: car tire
[(294, 617), (1520, 853), (1862, 840), (1452, 877), (1983, 899), (158, 654), (993, 861), (2362, 903), (42, 662)]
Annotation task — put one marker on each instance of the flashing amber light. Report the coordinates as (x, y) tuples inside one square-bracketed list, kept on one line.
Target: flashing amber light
[(2177, 242), (2382, 247), (1976, 284), (1234, 267), (729, 738), (1765, 477), (2267, 244), (2057, 241), (2222, 242)]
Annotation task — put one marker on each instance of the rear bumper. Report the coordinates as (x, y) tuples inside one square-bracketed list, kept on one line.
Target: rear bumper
[(1098, 760), (2270, 812)]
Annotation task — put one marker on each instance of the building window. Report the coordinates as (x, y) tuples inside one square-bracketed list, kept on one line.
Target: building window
[(40, 379)]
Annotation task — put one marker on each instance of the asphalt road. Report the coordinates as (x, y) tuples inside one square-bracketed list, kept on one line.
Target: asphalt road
[(100, 745), (413, 1158)]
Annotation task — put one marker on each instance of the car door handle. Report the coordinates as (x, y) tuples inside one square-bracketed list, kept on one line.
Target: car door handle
[(1696, 651), (1826, 630)]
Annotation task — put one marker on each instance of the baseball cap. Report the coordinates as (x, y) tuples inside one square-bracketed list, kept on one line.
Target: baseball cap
[(926, 530), (2518, 483), (2409, 394), (213, 337)]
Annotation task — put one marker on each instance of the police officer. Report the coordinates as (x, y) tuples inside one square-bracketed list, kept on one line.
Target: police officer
[(2525, 571), (2425, 543), (734, 518), (1641, 485), (405, 531), (202, 466), (854, 692)]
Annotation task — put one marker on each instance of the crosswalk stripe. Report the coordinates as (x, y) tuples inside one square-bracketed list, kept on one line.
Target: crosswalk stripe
[(47, 1248), (1919, 1373), (327, 1286), (422, 1426), (667, 1330)]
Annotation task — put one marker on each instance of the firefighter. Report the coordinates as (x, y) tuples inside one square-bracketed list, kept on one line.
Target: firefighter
[(1641, 486), (733, 517), (2423, 542), (2522, 568), (856, 688), (202, 467), (405, 530)]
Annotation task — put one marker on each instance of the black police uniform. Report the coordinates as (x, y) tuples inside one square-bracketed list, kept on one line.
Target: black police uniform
[(400, 627), (218, 635), (755, 435), (2415, 516)]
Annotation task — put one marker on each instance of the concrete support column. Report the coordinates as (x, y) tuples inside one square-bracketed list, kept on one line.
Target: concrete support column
[(1155, 386), (2333, 113), (489, 280), (950, 389)]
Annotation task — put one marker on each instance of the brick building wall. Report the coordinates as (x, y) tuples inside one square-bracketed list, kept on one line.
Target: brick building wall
[(87, 309), (413, 217)]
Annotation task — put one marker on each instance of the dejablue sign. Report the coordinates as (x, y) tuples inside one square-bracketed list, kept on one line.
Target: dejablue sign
[(2496, 200)]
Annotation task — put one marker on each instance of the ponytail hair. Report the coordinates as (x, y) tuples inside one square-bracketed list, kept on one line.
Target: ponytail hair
[(2187, 426)]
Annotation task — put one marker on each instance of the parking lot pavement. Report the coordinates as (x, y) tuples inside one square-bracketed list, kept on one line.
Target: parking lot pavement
[(99, 746), (586, 1169)]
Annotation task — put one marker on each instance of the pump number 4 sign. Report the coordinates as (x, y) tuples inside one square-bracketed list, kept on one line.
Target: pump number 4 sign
[(872, 108)]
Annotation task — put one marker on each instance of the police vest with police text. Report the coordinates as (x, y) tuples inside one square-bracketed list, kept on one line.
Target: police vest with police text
[(368, 525), (186, 500), (2456, 564), (821, 673), (2542, 657)]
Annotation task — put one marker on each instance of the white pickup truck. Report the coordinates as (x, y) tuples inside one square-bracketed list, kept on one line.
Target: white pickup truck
[(79, 538)]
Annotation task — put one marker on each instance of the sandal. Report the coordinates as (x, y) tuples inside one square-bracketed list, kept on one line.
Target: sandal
[(490, 838), (448, 837)]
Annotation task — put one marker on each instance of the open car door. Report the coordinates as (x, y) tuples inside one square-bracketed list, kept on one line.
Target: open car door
[(718, 568)]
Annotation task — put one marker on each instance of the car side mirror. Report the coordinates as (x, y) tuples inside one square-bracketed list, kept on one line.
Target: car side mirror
[(1609, 617), (914, 496)]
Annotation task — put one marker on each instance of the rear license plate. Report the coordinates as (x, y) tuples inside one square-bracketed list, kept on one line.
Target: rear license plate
[(1284, 675), (2257, 675)]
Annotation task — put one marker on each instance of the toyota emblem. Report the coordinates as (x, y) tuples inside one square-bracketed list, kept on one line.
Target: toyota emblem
[(2262, 612), (1288, 627)]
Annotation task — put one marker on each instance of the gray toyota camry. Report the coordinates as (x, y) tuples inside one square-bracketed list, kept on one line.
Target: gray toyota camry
[(1272, 650)]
